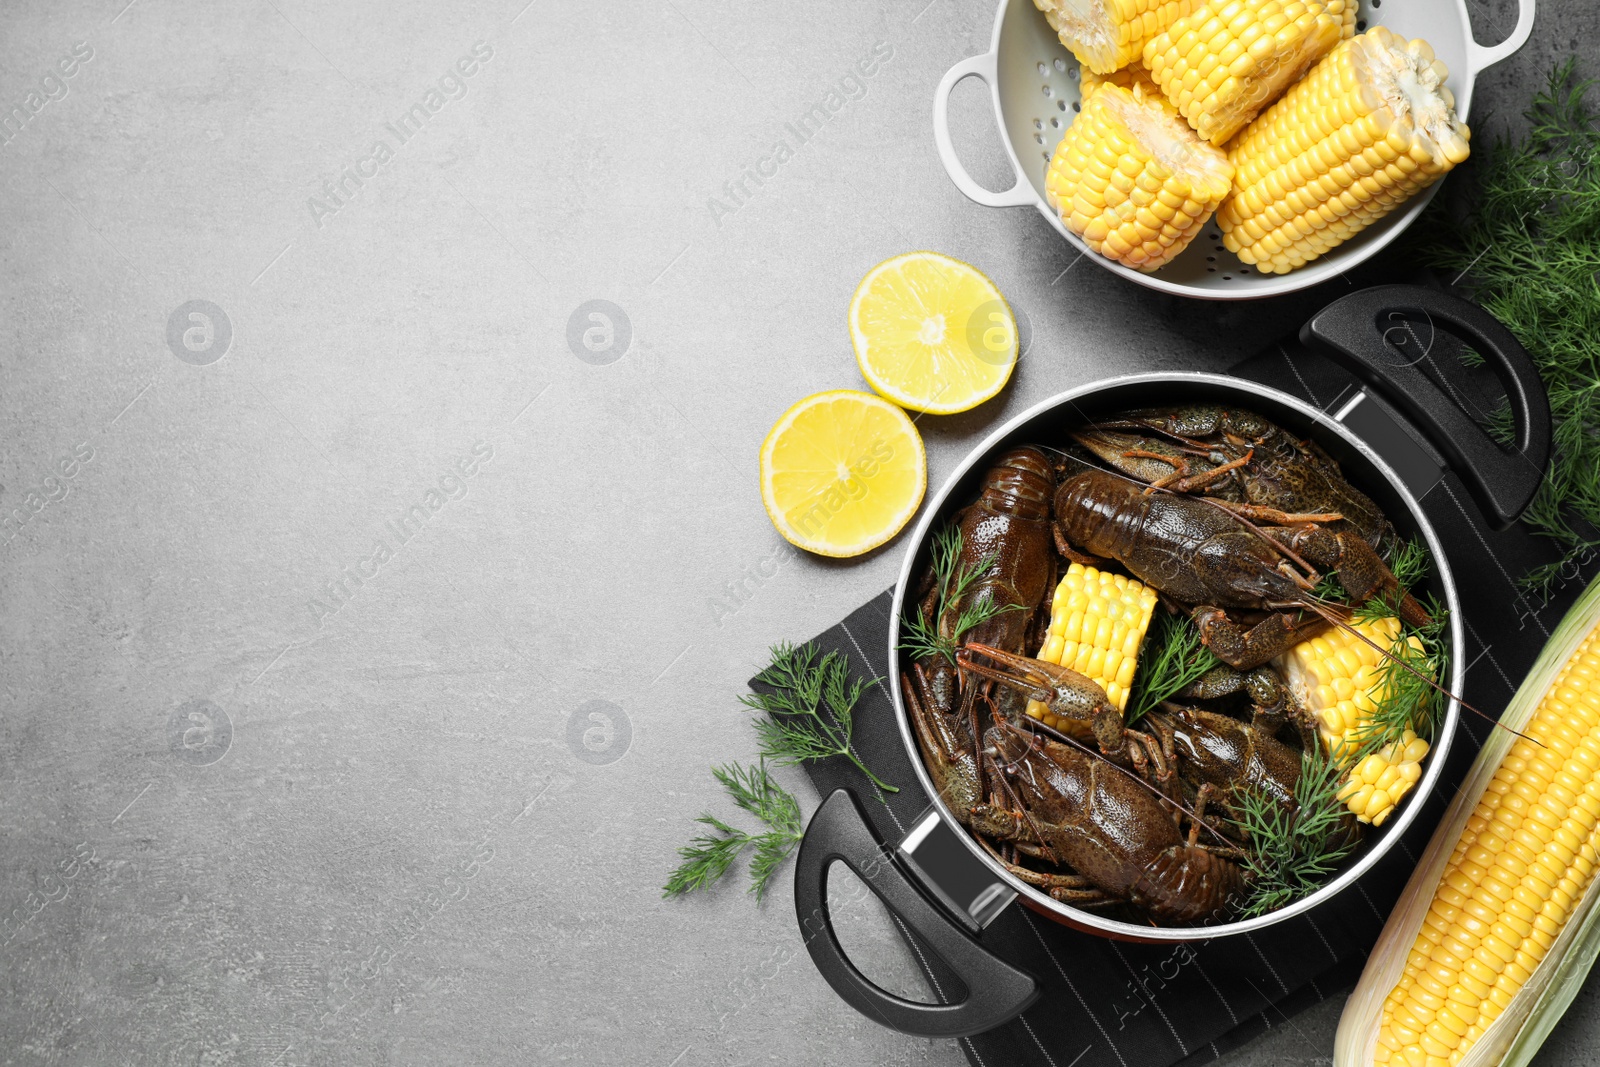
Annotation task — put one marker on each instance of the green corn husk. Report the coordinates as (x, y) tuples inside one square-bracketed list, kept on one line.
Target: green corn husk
[(1515, 1036)]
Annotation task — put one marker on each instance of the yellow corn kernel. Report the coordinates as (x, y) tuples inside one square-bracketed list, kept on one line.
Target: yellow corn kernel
[(1107, 35), (1132, 179), (1499, 924), (1097, 622), (1366, 128), (1129, 76), (1227, 59), (1344, 13), (1336, 675)]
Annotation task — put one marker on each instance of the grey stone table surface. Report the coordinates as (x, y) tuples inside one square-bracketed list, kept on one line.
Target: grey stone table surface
[(331, 512)]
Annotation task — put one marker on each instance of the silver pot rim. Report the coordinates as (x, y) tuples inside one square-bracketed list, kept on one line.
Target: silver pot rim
[(1391, 831)]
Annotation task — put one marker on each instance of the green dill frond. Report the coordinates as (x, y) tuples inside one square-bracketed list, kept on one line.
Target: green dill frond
[(709, 856), (925, 638), (706, 858), (808, 708), (1292, 850), (1408, 686), (1409, 562), (1527, 252), (1173, 658)]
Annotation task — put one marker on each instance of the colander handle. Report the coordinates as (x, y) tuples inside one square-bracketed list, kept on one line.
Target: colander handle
[(1480, 56), (1356, 331), (1020, 194)]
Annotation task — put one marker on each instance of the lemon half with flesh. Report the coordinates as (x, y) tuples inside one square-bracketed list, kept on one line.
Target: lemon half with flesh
[(932, 333), (842, 472)]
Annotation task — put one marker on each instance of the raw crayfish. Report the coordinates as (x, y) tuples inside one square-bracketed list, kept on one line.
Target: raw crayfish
[(1120, 840), (1199, 553)]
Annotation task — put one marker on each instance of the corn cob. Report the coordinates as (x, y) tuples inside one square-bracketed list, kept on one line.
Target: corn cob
[(1368, 127), (1344, 12), (1133, 180), (1107, 35), (1097, 622), (1129, 76), (1339, 678), (1227, 59), (1525, 857)]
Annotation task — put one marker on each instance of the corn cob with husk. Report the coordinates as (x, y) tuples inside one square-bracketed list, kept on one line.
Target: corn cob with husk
[(1107, 35), (1339, 677), (1132, 179), (1097, 623), (1368, 127), (1227, 59), (1493, 934), (1129, 76)]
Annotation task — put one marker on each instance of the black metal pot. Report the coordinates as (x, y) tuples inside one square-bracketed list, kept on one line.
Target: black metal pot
[(938, 880)]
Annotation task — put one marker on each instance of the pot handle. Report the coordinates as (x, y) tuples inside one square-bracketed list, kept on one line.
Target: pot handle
[(997, 991), (1020, 194), (1355, 330), (1480, 56)]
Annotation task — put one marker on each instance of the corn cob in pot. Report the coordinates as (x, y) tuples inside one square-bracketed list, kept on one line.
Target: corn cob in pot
[(1338, 677), (1097, 623)]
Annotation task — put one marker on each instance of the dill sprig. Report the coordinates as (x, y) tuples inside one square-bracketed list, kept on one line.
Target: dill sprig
[(1292, 849), (709, 856), (1527, 252), (1407, 686), (808, 707), (923, 636), (1409, 562), (1174, 658)]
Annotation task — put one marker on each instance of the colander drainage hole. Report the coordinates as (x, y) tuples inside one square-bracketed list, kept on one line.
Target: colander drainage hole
[(1038, 138), (1361, 25), (1227, 277), (1061, 64), (1209, 259), (1043, 70), (1055, 123), (1061, 105), (1209, 270), (1077, 106), (1038, 124)]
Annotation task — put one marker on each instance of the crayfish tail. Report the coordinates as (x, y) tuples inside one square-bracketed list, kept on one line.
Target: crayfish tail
[(1186, 884)]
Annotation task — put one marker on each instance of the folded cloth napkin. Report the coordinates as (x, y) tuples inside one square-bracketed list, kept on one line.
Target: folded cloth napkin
[(1116, 1004)]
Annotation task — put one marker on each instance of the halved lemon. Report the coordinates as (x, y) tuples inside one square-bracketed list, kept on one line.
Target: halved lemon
[(842, 472), (932, 333)]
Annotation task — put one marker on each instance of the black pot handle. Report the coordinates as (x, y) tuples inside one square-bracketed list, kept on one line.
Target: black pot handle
[(997, 991), (1354, 331)]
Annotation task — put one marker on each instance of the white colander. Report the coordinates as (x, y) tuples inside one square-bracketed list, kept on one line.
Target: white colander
[(1034, 82)]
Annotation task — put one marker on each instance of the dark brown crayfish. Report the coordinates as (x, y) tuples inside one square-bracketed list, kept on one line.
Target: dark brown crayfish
[(1088, 813), (1199, 553), (1006, 549)]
